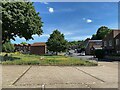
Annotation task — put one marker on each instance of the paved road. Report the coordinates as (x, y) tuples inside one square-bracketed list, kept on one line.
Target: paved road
[(103, 76)]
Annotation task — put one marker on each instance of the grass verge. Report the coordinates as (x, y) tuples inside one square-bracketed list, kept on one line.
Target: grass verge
[(23, 59)]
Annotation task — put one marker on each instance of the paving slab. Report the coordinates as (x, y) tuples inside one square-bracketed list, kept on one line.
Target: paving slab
[(52, 75), (107, 71), (0, 76), (10, 73)]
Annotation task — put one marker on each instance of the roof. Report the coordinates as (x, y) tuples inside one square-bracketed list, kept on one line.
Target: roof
[(114, 32), (95, 41), (118, 36), (39, 44)]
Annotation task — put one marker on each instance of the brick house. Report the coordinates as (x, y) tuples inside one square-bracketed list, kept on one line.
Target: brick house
[(22, 47), (35, 48), (109, 42), (92, 45), (39, 48)]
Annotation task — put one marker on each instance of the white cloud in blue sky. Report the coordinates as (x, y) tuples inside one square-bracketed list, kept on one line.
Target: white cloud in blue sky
[(51, 10), (44, 2), (89, 20), (67, 33), (45, 35)]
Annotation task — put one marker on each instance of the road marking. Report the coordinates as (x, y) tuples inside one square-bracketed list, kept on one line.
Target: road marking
[(21, 75), (90, 75)]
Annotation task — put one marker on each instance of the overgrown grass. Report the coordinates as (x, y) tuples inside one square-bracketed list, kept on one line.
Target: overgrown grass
[(21, 59)]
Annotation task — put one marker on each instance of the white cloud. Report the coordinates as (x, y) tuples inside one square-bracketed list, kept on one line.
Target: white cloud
[(45, 2), (88, 20), (35, 35), (45, 35), (67, 33), (18, 38), (51, 10)]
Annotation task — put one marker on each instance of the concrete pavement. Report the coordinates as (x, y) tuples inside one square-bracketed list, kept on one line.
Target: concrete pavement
[(103, 76)]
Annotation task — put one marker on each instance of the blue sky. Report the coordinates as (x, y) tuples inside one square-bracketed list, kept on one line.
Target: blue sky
[(77, 21)]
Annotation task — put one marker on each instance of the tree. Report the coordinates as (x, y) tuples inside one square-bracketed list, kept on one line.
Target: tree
[(94, 37), (75, 43), (23, 43), (101, 32), (8, 47), (20, 19), (56, 42)]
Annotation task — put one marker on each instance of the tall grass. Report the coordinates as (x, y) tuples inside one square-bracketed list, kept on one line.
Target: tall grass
[(25, 59)]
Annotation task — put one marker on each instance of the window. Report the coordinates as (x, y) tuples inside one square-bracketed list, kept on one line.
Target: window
[(105, 43), (98, 43), (117, 41), (110, 42), (118, 51)]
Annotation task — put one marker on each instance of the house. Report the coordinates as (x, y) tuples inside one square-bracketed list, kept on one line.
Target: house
[(35, 48), (92, 45), (117, 43), (38, 48), (111, 42), (22, 47)]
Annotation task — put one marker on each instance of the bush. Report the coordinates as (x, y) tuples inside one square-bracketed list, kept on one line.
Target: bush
[(99, 54), (8, 47), (116, 54)]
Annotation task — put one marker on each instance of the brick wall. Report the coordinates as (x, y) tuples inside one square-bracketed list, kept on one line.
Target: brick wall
[(39, 50)]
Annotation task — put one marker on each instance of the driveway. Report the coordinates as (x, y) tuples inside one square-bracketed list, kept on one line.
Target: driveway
[(105, 75)]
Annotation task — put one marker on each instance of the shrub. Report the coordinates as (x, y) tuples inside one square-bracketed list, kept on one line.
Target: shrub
[(116, 54), (99, 54), (8, 47)]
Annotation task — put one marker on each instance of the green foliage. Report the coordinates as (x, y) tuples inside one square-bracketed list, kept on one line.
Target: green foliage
[(8, 47), (74, 43), (79, 44), (101, 32), (99, 54), (19, 19), (56, 42), (116, 54), (23, 43)]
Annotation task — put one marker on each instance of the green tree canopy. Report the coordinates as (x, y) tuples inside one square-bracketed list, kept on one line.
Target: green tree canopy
[(101, 32), (56, 42), (75, 43), (20, 19), (23, 43)]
